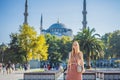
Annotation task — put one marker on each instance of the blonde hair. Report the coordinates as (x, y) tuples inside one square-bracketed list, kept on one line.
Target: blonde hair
[(78, 47), (73, 51)]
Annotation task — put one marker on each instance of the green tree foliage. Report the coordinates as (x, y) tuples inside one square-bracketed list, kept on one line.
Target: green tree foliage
[(3, 48), (112, 44), (106, 39), (65, 47), (15, 52), (54, 55), (58, 48), (90, 44), (26, 45), (115, 44)]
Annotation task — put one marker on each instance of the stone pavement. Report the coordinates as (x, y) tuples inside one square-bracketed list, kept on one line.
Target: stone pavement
[(18, 75), (60, 77)]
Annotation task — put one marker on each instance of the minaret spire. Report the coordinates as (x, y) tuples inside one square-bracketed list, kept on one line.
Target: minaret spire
[(41, 24), (84, 12), (25, 13), (58, 20)]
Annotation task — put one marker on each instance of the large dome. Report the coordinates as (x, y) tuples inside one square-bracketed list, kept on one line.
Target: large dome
[(58, 29), (57, 25)]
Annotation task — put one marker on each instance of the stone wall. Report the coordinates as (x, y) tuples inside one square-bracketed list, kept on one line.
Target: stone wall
[(88, 75), (100, 75), (47, 75)]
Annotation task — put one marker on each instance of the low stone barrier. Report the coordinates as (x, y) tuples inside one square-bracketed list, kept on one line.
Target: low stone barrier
[(100, 75), (112, 75), (86, 76), (46, 75)]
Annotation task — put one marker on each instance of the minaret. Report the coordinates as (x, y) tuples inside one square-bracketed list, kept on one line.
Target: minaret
[(58, 20), (26, 13), (84, 12), (41, 24)]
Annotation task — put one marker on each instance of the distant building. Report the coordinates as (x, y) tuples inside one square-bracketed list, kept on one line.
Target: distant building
[(84, 12), (58, 29)]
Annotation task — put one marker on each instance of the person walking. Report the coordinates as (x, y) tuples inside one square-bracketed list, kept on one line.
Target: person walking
[(8, 67), (4, 69), (75, 59)]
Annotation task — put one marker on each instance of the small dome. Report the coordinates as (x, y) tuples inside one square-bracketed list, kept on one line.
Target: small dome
[(57, 25)]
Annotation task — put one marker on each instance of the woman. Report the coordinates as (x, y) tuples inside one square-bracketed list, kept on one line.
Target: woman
[(75, 58)]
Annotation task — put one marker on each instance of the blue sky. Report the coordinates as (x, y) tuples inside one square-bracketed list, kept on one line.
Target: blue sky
[(103, 15)]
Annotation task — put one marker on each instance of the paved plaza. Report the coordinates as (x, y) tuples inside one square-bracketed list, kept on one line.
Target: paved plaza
[(18, 75)]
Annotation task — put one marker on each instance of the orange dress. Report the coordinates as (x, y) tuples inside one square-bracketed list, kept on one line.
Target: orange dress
[(72, 73)]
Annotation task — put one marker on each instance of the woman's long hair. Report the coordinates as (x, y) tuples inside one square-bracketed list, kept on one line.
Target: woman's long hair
[(75, 50)]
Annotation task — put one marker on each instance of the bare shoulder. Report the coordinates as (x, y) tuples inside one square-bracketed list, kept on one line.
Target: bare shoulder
[(80, 54)]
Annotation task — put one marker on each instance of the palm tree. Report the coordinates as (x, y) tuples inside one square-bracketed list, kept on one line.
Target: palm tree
[(90, 44)]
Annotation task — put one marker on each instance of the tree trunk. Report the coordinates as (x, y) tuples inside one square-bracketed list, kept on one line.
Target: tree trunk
[(88, 62), (26, 59)]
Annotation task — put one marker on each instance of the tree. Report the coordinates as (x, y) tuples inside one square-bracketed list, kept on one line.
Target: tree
[(3, 48), (106, 40), (90, 44), (65, 47), (115, 44), (53, 49), (40, 48), (112, 44), (35, 47), (15, 53), (26, 45), (26, 36)]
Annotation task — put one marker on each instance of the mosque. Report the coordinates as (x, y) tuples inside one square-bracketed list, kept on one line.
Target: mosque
[(58, 29)]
